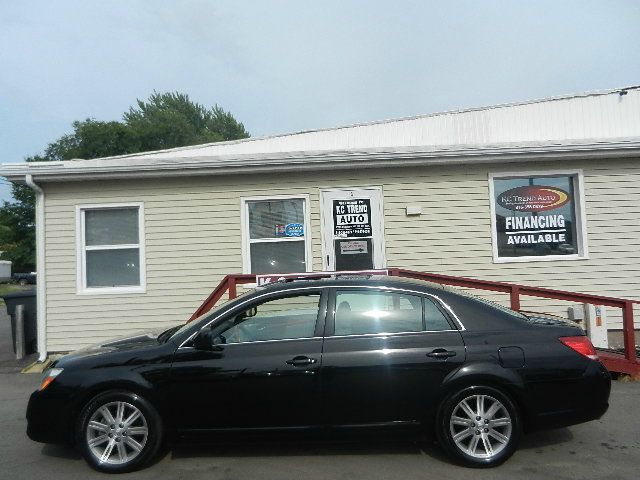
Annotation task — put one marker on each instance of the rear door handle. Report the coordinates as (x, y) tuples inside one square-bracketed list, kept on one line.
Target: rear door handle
[(301, 361), (441, 353)]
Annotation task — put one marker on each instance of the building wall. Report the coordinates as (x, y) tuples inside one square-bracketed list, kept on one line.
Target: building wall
[(193, 238)]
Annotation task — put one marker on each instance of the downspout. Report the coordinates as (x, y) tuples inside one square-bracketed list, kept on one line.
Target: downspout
[(41, 292)]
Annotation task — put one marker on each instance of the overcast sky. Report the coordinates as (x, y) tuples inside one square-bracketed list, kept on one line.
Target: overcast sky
[(282, 66)]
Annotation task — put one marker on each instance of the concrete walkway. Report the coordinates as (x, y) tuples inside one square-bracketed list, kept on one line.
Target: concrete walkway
[(8, 362)]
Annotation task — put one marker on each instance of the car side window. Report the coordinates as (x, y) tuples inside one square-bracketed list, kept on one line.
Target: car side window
[(361, 312), (277, 319), (434, 319)]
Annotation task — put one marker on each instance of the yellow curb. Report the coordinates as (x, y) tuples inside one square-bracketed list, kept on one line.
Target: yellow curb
[(37, 367)]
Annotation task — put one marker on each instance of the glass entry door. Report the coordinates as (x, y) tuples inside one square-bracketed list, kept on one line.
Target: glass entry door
[(352, 229)]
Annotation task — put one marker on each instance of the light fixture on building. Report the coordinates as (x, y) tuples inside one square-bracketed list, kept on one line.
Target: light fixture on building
[(413, 210)]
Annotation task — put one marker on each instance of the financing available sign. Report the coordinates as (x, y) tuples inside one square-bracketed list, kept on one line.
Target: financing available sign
[(534, 220), (532, 230), (352, 218)]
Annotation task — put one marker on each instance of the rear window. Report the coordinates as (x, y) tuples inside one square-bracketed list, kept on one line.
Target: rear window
[(476, 312), (495, 305)]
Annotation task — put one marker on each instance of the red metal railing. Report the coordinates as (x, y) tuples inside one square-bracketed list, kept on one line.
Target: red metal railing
[(229, 284), (627, 363)]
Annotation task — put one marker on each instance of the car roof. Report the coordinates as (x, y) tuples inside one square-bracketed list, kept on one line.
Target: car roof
[(357, 280), (474, 313)]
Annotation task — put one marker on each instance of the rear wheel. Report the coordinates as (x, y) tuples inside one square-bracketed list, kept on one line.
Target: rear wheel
[(118, 431), (479, 426)]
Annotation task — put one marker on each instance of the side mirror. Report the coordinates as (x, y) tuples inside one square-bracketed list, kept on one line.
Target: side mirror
[(205, 340), (245, 314)]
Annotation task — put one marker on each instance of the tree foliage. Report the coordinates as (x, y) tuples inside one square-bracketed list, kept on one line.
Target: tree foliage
[(165, 120), (171, 120)]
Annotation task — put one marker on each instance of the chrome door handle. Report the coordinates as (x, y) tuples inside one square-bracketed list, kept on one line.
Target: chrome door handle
[(441, 353), (301, 361)]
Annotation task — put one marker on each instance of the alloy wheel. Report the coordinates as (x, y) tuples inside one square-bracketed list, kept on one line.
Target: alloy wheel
[(116, 433), (480, 426)]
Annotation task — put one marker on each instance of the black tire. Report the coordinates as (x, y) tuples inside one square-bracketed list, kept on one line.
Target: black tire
[(484, 456), (22, 282), (149, 419)]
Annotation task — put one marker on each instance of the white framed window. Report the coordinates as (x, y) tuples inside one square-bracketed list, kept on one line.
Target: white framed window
[(110, 248), (275, 234), (538, 216)]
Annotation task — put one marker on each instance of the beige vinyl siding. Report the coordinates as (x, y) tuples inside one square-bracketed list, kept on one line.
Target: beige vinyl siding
[(193, 238)]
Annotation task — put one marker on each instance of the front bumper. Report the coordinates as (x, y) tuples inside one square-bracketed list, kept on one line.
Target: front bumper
[(49, 417)]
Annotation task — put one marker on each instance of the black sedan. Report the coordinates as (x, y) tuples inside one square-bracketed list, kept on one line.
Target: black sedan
[(325, 356)]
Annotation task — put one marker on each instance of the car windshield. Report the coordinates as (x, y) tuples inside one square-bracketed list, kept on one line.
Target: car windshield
[(178, 329)]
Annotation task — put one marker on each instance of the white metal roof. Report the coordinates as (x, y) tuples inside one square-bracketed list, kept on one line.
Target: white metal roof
[(587, 121)]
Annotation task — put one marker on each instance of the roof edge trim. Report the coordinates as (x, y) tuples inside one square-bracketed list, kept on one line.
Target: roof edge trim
[(318, 160)]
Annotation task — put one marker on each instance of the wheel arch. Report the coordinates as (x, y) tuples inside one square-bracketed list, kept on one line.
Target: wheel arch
[(121, 385), (507, 381)]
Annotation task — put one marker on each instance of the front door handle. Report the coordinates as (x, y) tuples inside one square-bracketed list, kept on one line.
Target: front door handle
[(441, 353), (301, 361)]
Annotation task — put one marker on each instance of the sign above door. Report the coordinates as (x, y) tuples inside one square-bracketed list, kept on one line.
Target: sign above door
[(352, 218)]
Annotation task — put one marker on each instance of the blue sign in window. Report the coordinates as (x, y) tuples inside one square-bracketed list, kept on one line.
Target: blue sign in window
[(294, 230)]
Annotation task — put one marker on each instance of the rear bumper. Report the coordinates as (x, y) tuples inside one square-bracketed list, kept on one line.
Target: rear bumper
[(565, 418), (585, 399), (49, 418)]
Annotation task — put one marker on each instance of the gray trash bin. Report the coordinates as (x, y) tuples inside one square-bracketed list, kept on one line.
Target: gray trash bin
[(28, 299)]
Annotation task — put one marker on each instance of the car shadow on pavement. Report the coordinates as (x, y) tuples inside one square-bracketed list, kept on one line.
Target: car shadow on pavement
[(61, 451), (365, 446), (274, 449), (289, 448), (70, 452)]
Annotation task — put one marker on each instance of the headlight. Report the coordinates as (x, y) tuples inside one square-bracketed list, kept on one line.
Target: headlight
[(48, 377)]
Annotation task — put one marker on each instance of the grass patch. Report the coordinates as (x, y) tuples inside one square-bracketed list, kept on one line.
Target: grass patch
[(6, 288)]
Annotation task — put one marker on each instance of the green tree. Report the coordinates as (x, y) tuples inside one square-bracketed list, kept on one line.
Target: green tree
[(165, 120), (17, 232), (169, 120)]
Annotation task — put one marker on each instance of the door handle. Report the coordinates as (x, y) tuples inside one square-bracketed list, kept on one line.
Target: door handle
[(301, 361), (441, 353)]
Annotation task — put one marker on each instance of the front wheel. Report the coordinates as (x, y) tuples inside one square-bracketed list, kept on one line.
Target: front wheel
[(479, 426), (118, 431)]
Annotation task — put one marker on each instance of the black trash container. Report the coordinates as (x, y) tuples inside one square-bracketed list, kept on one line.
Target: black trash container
[(28, 299)]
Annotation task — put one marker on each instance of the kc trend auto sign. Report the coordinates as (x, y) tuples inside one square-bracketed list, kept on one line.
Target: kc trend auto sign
[(352, 218), (533, 199)]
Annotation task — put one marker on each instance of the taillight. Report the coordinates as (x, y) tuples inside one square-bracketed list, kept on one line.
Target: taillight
[(582, 345)]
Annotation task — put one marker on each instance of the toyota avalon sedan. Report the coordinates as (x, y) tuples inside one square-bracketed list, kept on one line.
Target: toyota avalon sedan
[(323, 356)]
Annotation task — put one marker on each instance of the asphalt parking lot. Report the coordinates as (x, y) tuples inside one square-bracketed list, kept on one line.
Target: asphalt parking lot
[(606, 449)]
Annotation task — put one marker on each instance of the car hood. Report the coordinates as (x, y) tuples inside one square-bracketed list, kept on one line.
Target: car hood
[(144, 339)]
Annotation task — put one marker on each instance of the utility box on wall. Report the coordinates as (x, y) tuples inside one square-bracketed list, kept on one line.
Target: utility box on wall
[(595, 317)]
